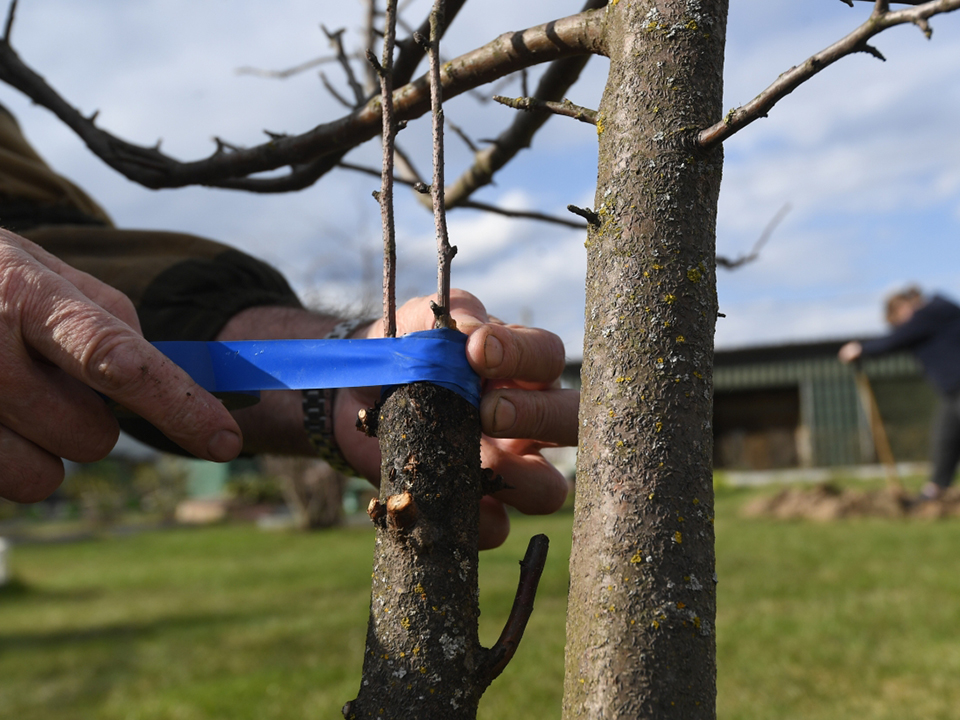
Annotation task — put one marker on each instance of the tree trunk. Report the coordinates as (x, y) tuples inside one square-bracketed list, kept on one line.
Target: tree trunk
[(311, 488), (640, 624), (423, 656)]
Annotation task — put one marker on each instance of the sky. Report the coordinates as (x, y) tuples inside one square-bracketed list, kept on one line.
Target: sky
[(866, 154)]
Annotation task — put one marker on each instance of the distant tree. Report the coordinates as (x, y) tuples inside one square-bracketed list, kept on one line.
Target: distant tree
[(641, 633)]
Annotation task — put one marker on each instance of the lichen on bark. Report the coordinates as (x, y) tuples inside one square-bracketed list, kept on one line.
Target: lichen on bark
[(640, 626), (423, 656)]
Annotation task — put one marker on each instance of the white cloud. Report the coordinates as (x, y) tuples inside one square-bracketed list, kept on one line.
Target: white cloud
[(866, 153)]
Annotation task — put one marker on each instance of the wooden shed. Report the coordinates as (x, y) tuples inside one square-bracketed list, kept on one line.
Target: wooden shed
[(797, 406)]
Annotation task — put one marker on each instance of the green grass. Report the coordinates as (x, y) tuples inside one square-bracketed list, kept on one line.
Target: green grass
[(849, 620)]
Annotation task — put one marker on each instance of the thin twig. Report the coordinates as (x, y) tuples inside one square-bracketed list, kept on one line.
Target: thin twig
[(472, 204), (531, 568), (313, 153), (553, 85), (758, 245), (371, 81), (289, 72), (445, 252), (389, 133), (855, 42), (566, 108), (463, 136), (333, 91), (409, 175), (8, 27), (336, 41)]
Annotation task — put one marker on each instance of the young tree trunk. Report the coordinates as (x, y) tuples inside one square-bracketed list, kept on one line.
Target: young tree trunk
[(640, 623), (423, 656)]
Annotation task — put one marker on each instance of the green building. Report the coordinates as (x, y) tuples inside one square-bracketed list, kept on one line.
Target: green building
[(798, 406)]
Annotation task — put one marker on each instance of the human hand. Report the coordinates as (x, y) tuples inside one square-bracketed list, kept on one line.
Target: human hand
[(850, 352), (522, 411), (63, 336)]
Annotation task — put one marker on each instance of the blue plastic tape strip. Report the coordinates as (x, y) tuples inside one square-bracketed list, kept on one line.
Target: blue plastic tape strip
[(436, 356)]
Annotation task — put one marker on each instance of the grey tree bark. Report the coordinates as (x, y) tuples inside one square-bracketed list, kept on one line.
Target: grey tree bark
[(640, 622)]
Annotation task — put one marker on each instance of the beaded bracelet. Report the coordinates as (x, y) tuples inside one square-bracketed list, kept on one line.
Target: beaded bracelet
[(318, 411)]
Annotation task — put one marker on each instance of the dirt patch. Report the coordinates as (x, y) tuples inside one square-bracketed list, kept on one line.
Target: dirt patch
[(828, 502)]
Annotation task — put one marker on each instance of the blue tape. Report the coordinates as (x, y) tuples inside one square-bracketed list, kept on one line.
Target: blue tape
[(245, 366)]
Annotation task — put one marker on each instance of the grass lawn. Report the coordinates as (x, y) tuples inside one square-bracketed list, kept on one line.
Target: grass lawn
[(859, 619)]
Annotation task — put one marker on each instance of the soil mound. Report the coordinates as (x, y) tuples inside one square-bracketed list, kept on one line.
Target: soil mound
[(828, 502)]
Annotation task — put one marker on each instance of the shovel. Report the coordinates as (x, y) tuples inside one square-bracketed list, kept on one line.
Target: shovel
[(877, 430)]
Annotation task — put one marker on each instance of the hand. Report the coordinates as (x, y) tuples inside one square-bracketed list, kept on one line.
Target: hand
[(522, 410), (850, 352), (63, 336)]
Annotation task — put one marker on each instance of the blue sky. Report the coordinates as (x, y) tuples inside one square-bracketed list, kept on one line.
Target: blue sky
[(867, 154)]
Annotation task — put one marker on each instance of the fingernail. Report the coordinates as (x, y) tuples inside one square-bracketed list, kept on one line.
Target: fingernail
[(224, 446), (504, 415), (492, 352)]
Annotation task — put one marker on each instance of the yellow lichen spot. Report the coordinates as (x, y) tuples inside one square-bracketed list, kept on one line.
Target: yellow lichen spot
[(423, 671), (612, 413), (612, 609), (680, 606), (656, 625), (637, 558), (680, 518), (405, 623), (692, 25), (619, 443), (696, 622), (681, 339), (694, 275), (696, 374), (678, 537), (696, 501), (416, 650), (670, 299), (659, 426), (600, 127), (650, 496), (655, 266)]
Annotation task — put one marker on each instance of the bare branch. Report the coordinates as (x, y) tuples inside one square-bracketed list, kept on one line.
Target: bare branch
[(586, 213), (8, 27), (531, 568), (879, 20), (370, 77), (758, 245), (445, 252), (463, 136), (336, 41), (389, 133), (289, 72), (333, 91), (315, 152), (565, 107), (521, 214), (409, 173), (410, 52), (554, 84), (420, 186)]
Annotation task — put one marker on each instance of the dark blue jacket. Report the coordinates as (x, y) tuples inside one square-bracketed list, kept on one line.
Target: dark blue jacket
[(933, 336)]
